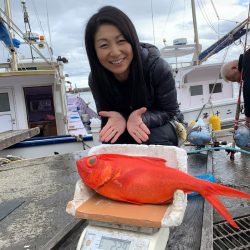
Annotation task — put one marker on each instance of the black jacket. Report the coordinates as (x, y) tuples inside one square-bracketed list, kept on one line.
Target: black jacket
[(162, 96), (161, 93), (244, 66)]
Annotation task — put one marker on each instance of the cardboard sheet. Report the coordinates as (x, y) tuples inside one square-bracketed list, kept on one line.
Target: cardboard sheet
[(101, 209)]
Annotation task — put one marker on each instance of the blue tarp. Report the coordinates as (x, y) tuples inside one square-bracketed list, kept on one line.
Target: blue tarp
[(5, 37)]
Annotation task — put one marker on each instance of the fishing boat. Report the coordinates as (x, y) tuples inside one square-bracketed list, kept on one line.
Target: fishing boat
[(201, 90), (32, 94)]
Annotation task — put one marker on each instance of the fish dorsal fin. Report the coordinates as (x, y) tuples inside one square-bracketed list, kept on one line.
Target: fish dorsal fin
[(157, 162), (121, 156)]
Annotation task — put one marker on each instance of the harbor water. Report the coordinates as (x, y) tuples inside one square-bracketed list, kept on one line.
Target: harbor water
[(88, 97)]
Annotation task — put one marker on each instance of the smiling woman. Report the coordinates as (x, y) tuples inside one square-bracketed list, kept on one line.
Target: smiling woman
[(113, 51), (132, 85)]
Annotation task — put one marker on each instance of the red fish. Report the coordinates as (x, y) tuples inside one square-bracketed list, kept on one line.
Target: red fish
[(142, 180)]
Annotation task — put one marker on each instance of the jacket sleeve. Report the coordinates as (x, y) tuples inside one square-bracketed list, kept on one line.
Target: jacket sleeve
[(246, 85), (165, 105)]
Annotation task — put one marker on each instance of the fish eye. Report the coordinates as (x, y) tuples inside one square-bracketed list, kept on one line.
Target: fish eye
[(91, 161)]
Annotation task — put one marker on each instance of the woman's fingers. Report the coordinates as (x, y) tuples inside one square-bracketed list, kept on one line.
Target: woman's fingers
[(140, 111), (140, 134), (115, 138), (113, 129), (144, 128), (116, 125), (136, 138), (104, 130), (105, 113), (108, 135)]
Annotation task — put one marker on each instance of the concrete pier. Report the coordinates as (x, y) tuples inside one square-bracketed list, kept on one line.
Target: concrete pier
[(34, 194)]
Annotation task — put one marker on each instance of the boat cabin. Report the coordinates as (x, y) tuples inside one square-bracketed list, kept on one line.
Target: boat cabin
[(34, 97), (197, 84)]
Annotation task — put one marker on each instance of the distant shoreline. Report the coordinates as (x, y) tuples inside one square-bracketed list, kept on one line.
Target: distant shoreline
[(77, 90)]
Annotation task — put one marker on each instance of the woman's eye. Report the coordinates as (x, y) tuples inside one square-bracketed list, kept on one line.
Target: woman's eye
[(91, 161), (121, 41), (103, 46)]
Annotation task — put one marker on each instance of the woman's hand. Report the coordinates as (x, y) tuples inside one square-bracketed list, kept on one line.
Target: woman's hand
[(136, 127), (115, 126)]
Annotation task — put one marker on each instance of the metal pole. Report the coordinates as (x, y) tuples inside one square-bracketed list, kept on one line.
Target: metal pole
[(13, 61), (196, 38)]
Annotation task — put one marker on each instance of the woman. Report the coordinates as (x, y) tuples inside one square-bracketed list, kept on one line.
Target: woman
[(132, 85)]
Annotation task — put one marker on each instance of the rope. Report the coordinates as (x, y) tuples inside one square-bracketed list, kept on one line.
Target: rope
[(215, 82), (168, 14), (21, 35), (205, 16), (50, 41), (218, 148), (210, 96), (41, 26)]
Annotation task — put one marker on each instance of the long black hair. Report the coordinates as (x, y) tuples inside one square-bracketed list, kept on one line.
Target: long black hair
[(102, 78)]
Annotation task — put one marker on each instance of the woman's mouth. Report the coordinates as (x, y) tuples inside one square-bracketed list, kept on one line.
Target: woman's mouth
[(117, 61)]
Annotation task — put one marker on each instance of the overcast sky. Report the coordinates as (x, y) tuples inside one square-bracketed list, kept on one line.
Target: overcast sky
[(171, 19)]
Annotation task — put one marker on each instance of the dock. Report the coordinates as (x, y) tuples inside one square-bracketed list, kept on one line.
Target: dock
[(35, 192), (12, 137)]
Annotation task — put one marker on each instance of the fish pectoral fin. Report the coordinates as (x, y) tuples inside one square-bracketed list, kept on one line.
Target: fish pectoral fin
[(106, 175)]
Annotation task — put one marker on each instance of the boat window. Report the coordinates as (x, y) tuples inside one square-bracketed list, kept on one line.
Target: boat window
[(216, 89), (28, 68), (4, 102), (196, 90), (41, 105)]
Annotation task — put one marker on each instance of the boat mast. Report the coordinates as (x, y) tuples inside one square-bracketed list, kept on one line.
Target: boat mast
[(196, 38), (13, 61)]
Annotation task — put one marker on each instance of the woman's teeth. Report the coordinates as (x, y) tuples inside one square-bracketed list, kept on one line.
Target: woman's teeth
[(117, 61)]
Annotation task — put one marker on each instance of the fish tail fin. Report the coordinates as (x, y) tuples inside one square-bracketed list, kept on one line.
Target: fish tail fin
[(210, 191), (227, 191), (216, 203)]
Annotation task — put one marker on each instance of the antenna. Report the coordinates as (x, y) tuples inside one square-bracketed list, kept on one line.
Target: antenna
[(26, 22), (50, 42), (152, 12)]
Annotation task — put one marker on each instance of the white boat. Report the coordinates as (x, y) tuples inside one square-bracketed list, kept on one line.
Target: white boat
[(32, 94), (202, 93), (200, 89)]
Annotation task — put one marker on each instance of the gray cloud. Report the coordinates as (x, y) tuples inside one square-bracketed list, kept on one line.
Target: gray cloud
[(172, 19)]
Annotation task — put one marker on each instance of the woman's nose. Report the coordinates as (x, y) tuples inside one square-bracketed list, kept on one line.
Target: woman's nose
[(114, 50)]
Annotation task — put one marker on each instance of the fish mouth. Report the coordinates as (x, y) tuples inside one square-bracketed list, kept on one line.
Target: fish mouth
[(85, 169)]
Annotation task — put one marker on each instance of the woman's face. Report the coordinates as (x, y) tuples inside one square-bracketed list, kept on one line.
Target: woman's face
[(113, 51)]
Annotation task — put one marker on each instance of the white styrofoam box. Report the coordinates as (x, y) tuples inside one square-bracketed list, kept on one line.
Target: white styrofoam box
[(175, 157)]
